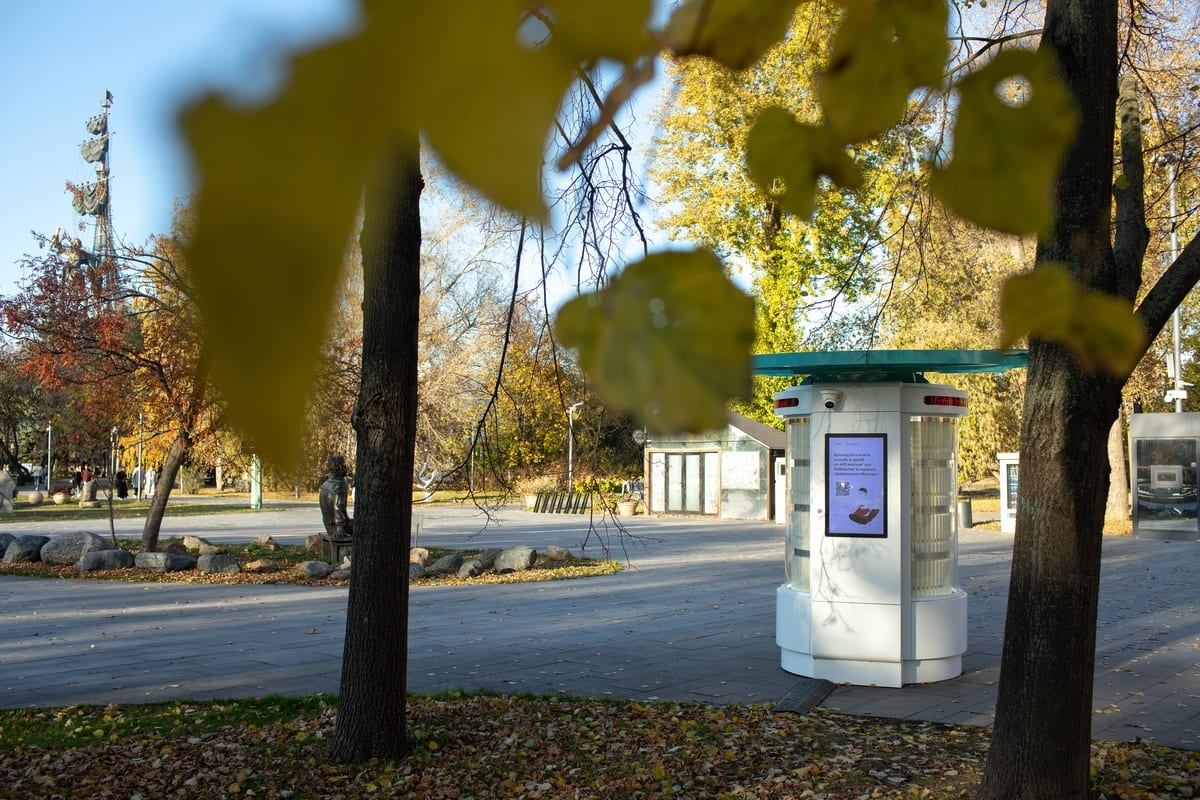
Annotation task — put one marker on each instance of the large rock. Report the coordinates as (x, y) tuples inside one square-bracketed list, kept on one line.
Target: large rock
[(315, 569), (475, 567), (415, 570), (488, 557), (94, 560), (5, 541), (418, 555), (25, 549), (471, 568), (262, 565), (445, 565), (218, 564), (312, 543), (67, 548), (165, 562), (516, 559), (556, 553), (195, 542)]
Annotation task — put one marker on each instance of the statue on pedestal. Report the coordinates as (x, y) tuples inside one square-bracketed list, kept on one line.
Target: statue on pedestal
[(338, 524)]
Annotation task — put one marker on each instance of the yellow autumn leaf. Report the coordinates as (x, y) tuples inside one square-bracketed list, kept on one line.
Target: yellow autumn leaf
[(614, 29), (667, 341), (1007, 151), (785, 158), (882, 52), (1037, 302), (280, 185), (272, 224), (1048, 303), (733, 32)]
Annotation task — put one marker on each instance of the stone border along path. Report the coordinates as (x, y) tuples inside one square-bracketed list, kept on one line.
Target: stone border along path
[(692, 617)]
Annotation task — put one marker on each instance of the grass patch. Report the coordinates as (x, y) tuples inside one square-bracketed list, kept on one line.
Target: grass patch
[(499, 746), (70, 511)]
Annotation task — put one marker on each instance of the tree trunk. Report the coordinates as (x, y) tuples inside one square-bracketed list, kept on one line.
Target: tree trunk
[(1042, 735), (1116, 506), (371, 711), (162, 493)]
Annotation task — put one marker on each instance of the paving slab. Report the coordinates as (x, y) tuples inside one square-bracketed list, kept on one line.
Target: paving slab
[(692, 617)]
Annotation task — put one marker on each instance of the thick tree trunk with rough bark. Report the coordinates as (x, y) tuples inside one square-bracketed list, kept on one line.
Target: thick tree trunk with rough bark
[(1042, 734), (371, 711)]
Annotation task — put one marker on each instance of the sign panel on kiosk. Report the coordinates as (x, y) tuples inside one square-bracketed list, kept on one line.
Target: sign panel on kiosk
[(856, 484)]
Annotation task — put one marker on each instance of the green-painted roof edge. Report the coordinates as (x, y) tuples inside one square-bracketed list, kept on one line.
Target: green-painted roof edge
[(877, 365)]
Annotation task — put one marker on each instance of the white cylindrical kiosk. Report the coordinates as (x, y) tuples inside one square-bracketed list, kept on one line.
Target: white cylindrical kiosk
[(871, 594)]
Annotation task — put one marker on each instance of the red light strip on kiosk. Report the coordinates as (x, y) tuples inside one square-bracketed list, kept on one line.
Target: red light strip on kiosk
[(787, 402), (943, 400)]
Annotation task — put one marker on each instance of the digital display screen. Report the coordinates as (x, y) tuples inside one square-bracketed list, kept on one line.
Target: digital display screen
[(856, 484)]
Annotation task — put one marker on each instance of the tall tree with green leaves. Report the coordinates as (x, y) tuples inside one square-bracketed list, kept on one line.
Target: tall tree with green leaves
[(803, 271)]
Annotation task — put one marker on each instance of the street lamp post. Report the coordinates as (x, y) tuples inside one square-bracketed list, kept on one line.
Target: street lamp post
[(49, 461), (1177, 392), (140, 472), (571, 444)]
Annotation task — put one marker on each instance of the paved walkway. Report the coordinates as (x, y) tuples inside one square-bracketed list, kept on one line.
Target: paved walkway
[(691, 618)]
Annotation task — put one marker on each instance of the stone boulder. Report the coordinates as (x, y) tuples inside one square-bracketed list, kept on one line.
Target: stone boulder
[(445, 565), (516, 559), (315, 569), (164, 562), (5, 540), (556, 553), (418, 555), (67, 548), (95, 560), (475, 567), (218, 564), (25, 549), (342, 573), (312, 543), (195, 542), (267, 543), (415, 570), (178, 548), (262, 565), (471, 568)]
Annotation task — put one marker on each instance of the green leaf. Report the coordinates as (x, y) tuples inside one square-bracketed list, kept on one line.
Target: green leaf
[(1006, 157), (1048, 303), (786, 158), (882, 52), (668, 341), (733, 32)]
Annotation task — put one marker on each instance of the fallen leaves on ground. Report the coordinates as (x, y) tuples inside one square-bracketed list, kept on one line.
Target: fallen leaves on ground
[(542, 570), (488, 746)]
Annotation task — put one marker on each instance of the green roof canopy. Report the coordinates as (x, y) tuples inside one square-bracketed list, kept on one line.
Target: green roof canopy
[(865, 366)]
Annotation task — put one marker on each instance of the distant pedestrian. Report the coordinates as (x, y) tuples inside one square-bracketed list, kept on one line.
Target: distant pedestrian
[(122, 485), (151, 481)]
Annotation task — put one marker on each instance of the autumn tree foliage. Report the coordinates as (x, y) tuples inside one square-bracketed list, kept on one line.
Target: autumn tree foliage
[(121, 336), (68, 324)]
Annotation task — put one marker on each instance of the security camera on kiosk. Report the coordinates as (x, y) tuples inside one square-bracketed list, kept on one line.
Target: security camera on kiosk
[(830, 398)]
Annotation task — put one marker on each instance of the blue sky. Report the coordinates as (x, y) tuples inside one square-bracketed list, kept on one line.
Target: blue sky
[(57, 59)]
